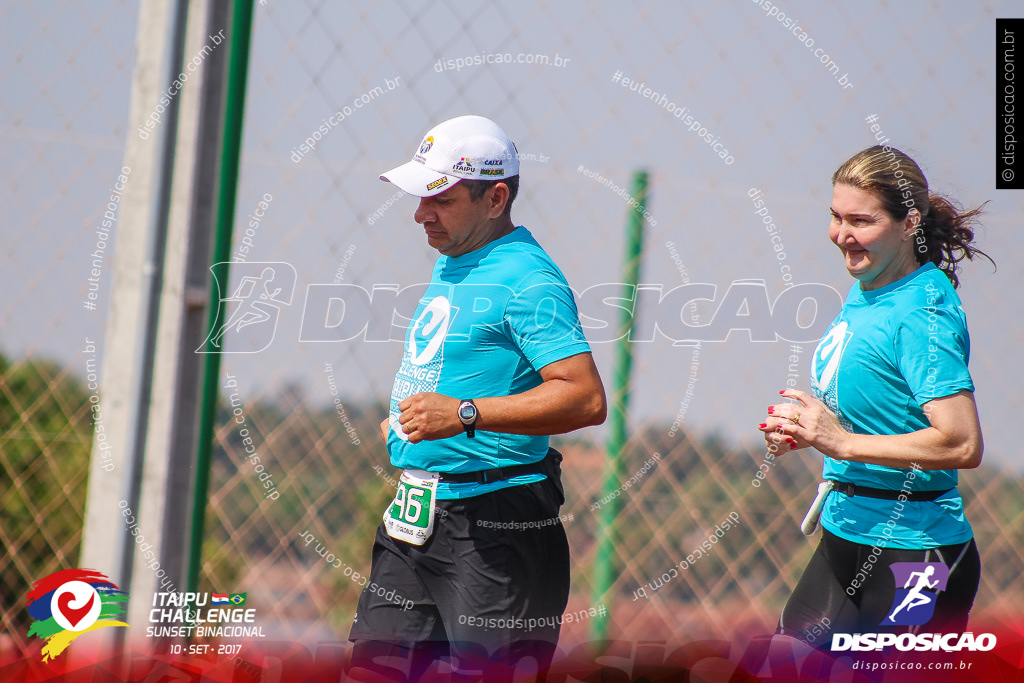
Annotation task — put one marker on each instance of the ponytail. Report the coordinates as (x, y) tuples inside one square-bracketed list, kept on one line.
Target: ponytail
[(945, 236)]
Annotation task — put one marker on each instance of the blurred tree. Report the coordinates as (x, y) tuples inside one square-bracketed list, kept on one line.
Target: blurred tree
[(45, 438)]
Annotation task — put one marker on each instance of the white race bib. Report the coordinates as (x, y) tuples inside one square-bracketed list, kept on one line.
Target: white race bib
[(410, 517)]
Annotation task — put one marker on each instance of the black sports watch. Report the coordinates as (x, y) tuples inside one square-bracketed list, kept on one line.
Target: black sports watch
[(467, 416)]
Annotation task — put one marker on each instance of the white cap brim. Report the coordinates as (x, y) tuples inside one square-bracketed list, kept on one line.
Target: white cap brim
[(416, 179)]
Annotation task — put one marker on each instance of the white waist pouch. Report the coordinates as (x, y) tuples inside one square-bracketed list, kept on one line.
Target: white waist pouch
[(810, 523)]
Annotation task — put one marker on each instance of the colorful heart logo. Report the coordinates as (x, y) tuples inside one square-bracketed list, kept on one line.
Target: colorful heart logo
[(69, 603)]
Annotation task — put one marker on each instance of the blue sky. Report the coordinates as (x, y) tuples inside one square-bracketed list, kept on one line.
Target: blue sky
[(926, 70)]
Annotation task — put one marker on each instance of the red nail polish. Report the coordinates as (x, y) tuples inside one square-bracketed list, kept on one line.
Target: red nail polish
[(792, 446), (783, 391), (771, 410), (763, 425)]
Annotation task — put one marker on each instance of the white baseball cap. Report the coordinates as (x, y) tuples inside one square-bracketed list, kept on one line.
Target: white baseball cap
[(463, 148)]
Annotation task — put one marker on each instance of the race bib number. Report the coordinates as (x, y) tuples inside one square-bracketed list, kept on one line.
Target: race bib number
[(410, 517)]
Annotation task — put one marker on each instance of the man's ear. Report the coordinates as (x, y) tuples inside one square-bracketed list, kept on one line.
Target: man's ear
[(499, 199)]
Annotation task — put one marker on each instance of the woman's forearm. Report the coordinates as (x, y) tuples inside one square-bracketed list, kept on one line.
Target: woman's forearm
[(928, 449)]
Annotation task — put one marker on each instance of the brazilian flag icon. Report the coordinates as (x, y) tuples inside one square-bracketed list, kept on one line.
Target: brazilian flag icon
[(237, 598)]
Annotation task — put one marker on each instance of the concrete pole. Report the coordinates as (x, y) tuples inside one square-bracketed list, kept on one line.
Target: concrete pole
[(157, 315), (167, 473), (121, 388)]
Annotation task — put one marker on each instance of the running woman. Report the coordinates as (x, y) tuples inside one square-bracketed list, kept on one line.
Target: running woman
[(893, 408)]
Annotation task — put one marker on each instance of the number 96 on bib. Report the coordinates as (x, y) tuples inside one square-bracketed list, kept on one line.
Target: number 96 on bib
[(410, 517)]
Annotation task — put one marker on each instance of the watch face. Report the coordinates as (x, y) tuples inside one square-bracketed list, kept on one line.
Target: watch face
[(467, 412)]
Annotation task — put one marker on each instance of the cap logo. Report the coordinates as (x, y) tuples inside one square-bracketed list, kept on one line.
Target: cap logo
[(440, 182), (464, 166), (492, 162), (492, 171), (427, 143)]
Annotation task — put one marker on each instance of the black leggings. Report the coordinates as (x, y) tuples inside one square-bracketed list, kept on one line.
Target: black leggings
[(820, 603)]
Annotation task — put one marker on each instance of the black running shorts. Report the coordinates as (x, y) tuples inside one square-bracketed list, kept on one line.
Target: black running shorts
[(489, 585)]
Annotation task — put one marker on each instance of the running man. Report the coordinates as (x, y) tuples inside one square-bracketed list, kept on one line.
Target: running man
[(915, 598), (251, 308), (495, 361)]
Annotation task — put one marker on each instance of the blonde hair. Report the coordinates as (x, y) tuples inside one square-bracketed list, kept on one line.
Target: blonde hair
[(945, 235)]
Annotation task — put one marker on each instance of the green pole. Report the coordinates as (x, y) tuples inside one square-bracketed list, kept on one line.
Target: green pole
[(227, 186), (604, 568)]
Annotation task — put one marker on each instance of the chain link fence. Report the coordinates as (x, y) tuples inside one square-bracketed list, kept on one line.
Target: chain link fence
[(337, 96), (63, 120)]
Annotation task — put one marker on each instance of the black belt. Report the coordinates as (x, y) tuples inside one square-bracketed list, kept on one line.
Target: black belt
[(493, 475), (886, 494)]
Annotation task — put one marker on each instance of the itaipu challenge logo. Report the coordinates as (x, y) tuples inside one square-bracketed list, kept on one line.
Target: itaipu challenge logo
[(71, 602)]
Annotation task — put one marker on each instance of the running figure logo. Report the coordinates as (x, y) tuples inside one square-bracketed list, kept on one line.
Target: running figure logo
[(917, 587), (253, 307)]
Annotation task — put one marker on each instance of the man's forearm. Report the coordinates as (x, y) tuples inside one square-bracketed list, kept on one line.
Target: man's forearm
[(554, 407), (570, 397)]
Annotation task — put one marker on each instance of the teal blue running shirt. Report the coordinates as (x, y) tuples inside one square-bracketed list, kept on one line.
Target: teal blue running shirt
[(486, 325), (888, 353)]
